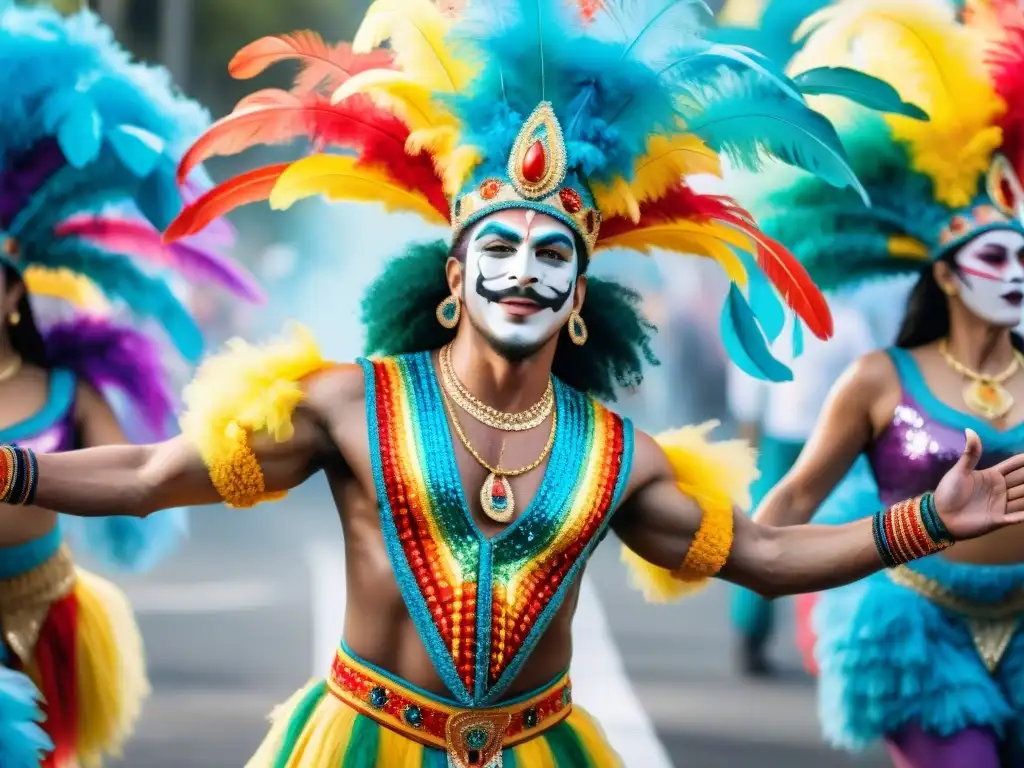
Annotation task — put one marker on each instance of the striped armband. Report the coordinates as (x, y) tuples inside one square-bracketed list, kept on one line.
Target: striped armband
[(909, 530), (19, 475)]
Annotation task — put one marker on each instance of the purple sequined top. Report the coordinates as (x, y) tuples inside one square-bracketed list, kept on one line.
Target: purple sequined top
[(52, 428), (926, 437)]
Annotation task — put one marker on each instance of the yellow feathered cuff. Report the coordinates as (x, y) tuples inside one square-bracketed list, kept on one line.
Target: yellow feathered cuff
[(715, 475), (243, 390)]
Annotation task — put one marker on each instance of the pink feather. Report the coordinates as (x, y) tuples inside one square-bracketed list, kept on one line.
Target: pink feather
[(138, 239)]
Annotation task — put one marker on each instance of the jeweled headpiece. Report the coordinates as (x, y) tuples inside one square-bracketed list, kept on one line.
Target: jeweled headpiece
[(593, 113), (933, 184)]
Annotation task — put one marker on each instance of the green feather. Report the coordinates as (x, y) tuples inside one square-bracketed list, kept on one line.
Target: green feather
[(566, 747), (857, 87), (363, 744), (300, 716)]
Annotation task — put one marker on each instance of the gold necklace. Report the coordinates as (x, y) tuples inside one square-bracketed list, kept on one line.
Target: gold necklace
[(496, 497), (531, 418), (984, 394), (11, 370)]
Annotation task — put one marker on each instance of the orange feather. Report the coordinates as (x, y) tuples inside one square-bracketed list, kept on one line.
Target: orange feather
[(250, 187), (323, 65)]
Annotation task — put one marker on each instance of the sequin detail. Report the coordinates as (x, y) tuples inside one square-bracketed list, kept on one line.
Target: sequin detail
[(481, 605)]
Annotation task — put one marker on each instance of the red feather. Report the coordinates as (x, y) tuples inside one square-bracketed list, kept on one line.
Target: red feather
[(1006, 62), (323, 65), (780, 266), (589, 8), (250, 187)]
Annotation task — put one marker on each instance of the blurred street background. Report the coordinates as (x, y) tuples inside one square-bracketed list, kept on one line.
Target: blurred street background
[(252, 607)]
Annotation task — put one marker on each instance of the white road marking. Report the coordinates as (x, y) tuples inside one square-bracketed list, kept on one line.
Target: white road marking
[(202, 597), (600, 684)]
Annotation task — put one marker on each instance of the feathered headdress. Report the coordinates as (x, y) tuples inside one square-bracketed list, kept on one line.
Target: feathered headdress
[(594, 114), (766, 25), (933, 183), (89, 144)]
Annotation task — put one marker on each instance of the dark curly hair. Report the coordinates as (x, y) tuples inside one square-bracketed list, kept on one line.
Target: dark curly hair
[(398, 314)]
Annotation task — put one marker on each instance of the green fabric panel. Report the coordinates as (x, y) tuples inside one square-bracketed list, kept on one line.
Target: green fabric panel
[(300, 716), (566, 748), (362, 745)]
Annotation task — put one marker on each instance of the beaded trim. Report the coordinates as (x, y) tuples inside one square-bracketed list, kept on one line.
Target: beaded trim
[(19, 475), (425, 719), (238, 476), (25, 600), (481, 605), (909, 530)]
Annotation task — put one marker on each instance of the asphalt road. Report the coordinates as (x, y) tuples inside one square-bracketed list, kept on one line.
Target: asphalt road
[(243, 616)]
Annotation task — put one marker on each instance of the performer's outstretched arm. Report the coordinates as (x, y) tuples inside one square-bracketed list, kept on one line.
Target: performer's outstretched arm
[(660, 523)]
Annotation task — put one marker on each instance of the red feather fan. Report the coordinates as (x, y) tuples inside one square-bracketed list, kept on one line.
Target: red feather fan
[(324, 67), (778, 264), (1006, 60)]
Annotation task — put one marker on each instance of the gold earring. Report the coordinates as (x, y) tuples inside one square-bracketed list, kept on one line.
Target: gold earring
[(14, 318), (449, 311), (578, 332), (949, 290)]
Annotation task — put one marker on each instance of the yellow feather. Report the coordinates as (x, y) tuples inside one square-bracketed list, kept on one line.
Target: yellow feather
[(741, 13), (77, 290), (667, 161), (416, 30), (396, 92), (456, 166), (712, 240), (342, 178), (935, 63)]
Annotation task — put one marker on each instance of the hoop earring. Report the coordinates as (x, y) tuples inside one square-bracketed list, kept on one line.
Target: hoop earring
[(14, 318), (578, 332), (949, 291), (449, 311)]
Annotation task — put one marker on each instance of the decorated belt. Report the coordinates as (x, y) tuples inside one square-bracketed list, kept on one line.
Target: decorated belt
[(25, 600), (992, 625), (473, 738)]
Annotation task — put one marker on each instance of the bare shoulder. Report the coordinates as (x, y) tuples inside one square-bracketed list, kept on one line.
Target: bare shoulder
[(870, 376), (334, 385), (88, 400), (649, 463)]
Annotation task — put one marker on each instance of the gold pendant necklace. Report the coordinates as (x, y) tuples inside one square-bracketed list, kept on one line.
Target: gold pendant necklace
[(531, 418), (496, 497), (985, 395)]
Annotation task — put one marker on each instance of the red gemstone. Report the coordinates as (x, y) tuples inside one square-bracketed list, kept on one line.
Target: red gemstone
[(1006, 190), (535, 162), (497, 489), (570, 200), (591, 221), (957, 225), (489, 189)]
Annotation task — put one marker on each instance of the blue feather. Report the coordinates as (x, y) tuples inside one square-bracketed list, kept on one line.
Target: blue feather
[(80, 134), (695, 66), (745, 126), (763, 298), (857, 87), (798, 337), (159, 198), (129, 544), (745, 343), (138, 149), (23, 743)]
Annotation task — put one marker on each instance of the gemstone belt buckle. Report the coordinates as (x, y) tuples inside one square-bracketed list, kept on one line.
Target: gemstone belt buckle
[(475, 739)]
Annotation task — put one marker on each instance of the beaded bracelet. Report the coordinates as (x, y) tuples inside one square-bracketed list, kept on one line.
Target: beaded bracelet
[(19, 475), (909, 530)]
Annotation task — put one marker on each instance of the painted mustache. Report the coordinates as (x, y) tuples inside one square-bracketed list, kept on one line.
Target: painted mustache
[(528, 292)]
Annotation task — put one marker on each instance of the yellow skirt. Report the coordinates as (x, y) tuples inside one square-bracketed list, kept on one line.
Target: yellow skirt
[(75, 635), (362, 717)]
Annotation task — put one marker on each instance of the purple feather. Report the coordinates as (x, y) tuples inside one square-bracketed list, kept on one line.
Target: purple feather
[(107, 354)]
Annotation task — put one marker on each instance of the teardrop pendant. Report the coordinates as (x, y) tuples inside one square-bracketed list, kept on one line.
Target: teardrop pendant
[(989, 399), (496, 498)]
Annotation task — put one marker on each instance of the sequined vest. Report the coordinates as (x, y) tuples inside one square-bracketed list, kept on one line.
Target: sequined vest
[(481, 604), (926, 437)]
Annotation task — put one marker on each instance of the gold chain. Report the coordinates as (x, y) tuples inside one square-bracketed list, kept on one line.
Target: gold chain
[(532, 417), (480, 459), (963, 370), (11, 370)]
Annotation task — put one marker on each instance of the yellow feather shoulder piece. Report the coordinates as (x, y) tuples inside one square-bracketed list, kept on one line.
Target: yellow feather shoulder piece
[(337, 177), (717, 475), (712, 240), (243, 390), (416, 31), (932, 61), (77, 290)]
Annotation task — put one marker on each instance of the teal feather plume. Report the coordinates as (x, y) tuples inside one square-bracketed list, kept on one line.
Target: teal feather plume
[(857, 87), (745, 342)]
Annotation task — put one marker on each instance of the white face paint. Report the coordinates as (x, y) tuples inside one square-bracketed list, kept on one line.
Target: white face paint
[(520, 276), (991, 276)]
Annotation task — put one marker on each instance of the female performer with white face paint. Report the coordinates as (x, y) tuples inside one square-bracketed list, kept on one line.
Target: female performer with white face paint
[(928, 657)]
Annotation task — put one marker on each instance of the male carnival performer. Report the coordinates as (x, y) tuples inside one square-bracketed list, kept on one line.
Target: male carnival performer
[(89, 143), (928, 657), (474, 471)]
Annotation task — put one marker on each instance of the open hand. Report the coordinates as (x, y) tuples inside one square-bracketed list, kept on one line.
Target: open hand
[(973, 502)]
